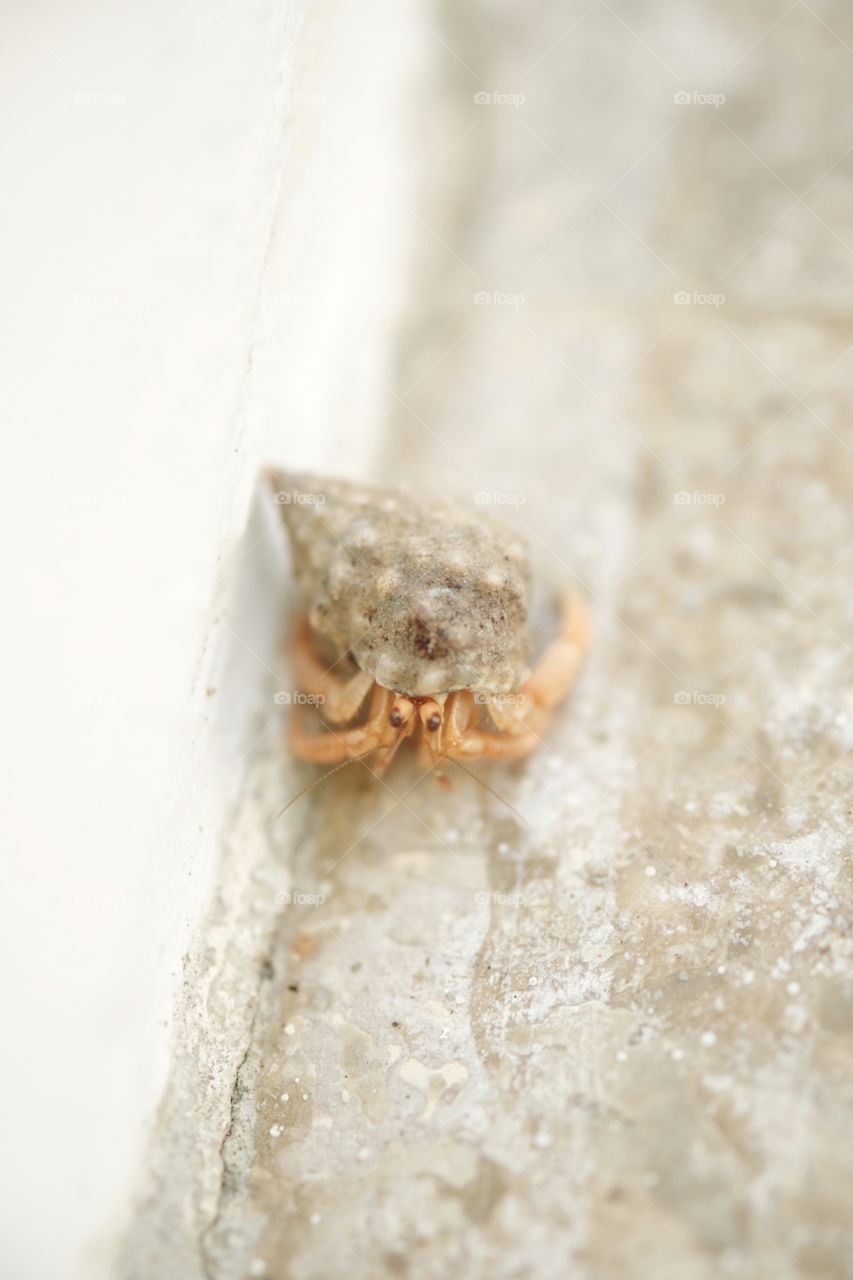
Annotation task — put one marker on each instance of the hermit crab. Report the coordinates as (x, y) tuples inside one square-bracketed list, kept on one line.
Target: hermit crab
[(418, 609)]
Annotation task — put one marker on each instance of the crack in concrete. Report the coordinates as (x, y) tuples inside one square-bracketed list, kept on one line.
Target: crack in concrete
[(230, 1173)]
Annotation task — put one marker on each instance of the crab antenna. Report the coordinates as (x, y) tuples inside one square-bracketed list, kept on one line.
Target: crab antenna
[(490, 790), (322, 778)]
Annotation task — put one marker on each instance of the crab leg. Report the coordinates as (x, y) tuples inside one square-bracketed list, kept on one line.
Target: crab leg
[(330, 747), (555, 672), (551, 678), (478, 744), (341, 698)]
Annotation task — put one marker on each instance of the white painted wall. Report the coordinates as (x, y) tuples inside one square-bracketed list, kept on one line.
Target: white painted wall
[(203, 244)]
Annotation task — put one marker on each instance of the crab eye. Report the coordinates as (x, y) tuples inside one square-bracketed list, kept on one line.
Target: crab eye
[(434, 722), (395, 718)]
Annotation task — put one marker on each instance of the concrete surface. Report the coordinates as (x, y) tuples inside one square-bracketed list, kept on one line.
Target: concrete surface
[(614, 1041)]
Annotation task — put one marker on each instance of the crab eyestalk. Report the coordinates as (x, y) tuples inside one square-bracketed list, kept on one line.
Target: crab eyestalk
[(401, 713), (430, 714)]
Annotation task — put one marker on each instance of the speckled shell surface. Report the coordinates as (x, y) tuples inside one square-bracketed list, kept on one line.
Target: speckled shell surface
[(425, 595)]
